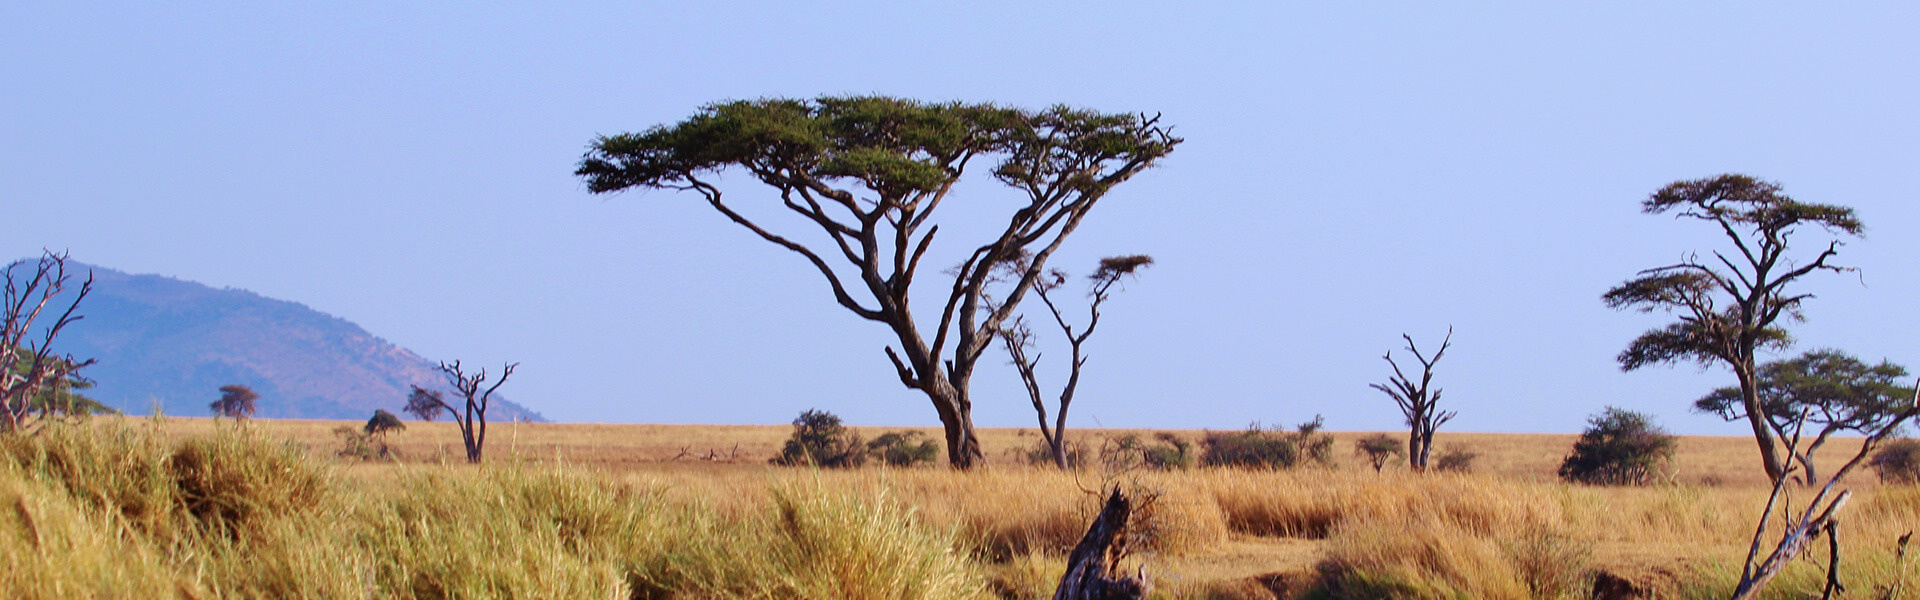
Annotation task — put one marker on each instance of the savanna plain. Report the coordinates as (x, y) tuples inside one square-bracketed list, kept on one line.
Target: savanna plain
[(119, 507)]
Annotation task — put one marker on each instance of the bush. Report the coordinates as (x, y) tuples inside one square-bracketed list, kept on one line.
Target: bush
[(1130, 452), (1620, 447), (1379, 448), (820, 440), (1040, 454), (904, 449), (1898, 461), (1456, 459), (1260, 448)]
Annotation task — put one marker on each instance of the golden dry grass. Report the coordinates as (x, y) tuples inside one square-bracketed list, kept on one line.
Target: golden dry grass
[(1509, 530)]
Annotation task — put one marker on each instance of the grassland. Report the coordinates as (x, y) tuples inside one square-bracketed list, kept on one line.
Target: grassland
[(192, 508)]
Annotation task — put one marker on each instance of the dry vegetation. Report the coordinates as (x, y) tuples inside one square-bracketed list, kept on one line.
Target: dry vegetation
[(191, 508)]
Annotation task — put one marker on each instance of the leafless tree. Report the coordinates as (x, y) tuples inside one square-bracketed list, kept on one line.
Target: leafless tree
[(236, 402), (1730, 307), (28, 364), (1418, 402), (472, 418), (1019, 338), (868, 174), (1821, 516)]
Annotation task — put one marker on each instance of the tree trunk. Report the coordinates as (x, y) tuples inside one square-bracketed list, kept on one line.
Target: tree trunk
[(956, 418), (1088, 566), (1757, 417)]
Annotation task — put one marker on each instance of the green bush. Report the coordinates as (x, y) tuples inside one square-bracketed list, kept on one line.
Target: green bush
[(1260, 448), (1898, 461), (820, 440), (1455, 459), (1620, 447), (1379, 449), (903, 449), (1130, 452)]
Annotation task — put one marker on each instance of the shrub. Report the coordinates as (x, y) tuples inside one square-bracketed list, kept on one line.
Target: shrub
[(1898, 461), (1456, 459), (904, 449), (820, 440), (1620, 447), (1260, 448), (1040, 454), (1379, 448), (383, 422), (1129, 452)]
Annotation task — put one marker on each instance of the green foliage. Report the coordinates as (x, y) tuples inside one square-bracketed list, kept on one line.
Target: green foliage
[(1259, 448), (820, 440), (1130, 451), (383, 422), (904, 449), (1619, 447), (1837, 391), (1897, 461), (58, 395), (1380, 449)]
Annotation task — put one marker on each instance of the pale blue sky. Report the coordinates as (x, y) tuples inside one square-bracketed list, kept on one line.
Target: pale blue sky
[(1350, 173)]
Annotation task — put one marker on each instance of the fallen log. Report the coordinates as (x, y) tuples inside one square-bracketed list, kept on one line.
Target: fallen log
[(1095, 558)]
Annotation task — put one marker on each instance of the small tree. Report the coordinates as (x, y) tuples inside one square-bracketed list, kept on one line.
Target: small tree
[(28, 365), (1419, 403), (60, 395), (1619, 447), (1379, 449), (236, 402), (1730, 307), (1018, 338), (383, 422), (472, 418), (903, 449), (820, 440), (1897, 461), (1836, 393)]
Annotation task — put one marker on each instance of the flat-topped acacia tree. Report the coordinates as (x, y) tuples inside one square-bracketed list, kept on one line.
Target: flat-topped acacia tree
[(869, 172)]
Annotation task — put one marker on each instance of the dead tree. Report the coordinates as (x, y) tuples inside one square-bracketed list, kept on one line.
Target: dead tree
[(28, 365), (1098, 555), (1418, 402), (1821, 516), (472, 420), (1019, 338)]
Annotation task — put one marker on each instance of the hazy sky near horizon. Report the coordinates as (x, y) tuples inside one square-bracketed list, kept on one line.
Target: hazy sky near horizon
[(1351, 172)]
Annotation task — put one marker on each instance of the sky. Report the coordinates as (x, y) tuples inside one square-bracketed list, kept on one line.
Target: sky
[(1351, 172)]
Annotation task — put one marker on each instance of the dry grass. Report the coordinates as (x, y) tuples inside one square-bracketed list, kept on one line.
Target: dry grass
[(593, 510)]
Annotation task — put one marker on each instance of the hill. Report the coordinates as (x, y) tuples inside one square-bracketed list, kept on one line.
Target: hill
[(170, 342)]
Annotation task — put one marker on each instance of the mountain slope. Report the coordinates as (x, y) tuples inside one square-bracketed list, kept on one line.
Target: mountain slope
[(172, 342)]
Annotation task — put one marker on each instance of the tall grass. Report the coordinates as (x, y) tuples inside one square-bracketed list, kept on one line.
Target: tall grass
[(117, 511)]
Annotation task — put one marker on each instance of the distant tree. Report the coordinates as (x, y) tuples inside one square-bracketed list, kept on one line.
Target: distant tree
[(1836, 392), (820, 440), (236, 402), (1730, 307), (383, 422), (868, 173), (60, 396), (1455, 459), (471, 418), (1018, 338), (1419, 402), (903, 449), (1619, 447), (1897, 461), (1379, 449), (1277, 449), (28, 365)]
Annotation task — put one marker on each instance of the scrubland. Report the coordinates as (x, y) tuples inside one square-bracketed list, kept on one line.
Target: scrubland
[(192, 508)]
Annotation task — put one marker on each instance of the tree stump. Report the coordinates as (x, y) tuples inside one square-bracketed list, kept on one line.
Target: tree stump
[(1094, 559)]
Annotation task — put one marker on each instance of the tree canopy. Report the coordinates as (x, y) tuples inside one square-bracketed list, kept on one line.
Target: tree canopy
[(1835, 391)]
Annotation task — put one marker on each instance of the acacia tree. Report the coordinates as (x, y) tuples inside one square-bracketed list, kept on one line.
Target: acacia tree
[(1836, 392), (869, 173), (1729, 307), (1019, 338), (29, 368), (236, 402), (1419, 402), (472, 417)]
